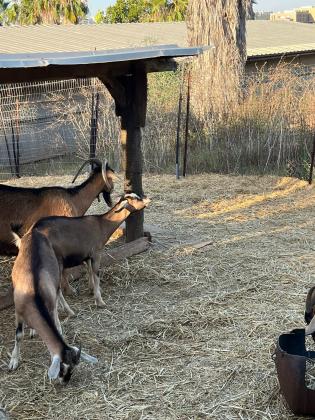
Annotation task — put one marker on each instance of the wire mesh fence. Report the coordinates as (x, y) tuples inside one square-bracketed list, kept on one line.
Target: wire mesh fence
[(46, 127)]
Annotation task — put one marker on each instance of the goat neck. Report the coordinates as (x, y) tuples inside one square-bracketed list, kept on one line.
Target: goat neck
[(113, 219), (87, 192)]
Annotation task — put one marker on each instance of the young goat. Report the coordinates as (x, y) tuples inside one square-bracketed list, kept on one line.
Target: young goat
[(36, 282), (80, 239), (25, 206)]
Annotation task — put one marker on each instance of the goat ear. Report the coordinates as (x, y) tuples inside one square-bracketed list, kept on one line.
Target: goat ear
[(87, 358), (54, 369)]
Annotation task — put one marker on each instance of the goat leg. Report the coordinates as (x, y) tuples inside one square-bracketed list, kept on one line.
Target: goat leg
[(94, 264), (57, 321), (68, 290), (91, 276), (15, 356), (64, 304), (7, 300)]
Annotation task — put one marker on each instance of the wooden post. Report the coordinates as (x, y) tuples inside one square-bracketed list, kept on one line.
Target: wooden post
[(187, 124), (180, 100), (310, 179), (130, 94)]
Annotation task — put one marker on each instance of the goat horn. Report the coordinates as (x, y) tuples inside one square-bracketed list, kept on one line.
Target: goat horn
[(104, 168), (86, 162), (132, 195)]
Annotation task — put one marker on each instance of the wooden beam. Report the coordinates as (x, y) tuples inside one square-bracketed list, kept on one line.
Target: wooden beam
[(124, 251), (79, 71), (54, 72)]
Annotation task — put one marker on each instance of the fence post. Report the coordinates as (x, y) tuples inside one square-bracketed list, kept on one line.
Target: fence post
[(94, 124), (180, 100), (187, 123), (310, 179)]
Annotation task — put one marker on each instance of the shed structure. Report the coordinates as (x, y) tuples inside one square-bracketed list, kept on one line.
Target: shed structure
[(124, 73)]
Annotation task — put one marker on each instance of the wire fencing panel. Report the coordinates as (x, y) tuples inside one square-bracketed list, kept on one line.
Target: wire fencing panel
[(45, 127)]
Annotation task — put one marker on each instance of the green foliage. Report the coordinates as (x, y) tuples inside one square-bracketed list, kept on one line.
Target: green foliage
[(3, 7), (126, 11), (146, 11), (31, 12), (99, 17)]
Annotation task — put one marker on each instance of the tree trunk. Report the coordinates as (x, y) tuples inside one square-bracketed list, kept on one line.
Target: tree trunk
[(218, 74)]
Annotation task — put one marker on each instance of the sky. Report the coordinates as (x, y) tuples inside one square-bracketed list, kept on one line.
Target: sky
[(95, 5), (267, 5)]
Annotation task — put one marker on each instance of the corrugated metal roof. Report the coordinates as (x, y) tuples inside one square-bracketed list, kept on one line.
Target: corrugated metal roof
[(45, 59), (275, 36), (65, 38)]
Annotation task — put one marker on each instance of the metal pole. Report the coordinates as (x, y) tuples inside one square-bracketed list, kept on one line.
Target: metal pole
[(14, 150), (92, 151), (96, 120), (17, 140), (7, 143), (180, 100), (310, 180), (187, 123)]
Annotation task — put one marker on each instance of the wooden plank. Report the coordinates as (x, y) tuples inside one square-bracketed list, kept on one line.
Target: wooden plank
[(124, 251), (202, 244)]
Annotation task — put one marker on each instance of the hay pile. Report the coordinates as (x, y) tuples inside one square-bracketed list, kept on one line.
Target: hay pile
[(187, 332)]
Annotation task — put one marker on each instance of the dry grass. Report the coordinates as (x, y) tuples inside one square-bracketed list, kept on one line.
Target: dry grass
[(186, 333)]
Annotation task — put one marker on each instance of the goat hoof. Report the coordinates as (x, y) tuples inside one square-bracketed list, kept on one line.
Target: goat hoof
[(69, 291), (32, 333), (100, 303), (14, 363), (71, 314)]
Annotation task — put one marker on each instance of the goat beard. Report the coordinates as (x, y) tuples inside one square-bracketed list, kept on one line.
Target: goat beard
[(107, 198)]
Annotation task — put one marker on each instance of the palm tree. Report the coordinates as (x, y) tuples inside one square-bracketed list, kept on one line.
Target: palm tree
[(250, 10), (219, 72), (157, 11), (3, 7), (71, 11), (177, 9), (31, 12)]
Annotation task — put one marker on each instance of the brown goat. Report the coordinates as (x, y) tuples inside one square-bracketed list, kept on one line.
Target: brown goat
[(53, 244), (25, 206), (80, 239), (36, 282)]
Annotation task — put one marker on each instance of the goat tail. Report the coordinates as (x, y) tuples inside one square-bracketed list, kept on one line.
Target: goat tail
[(15, 230), (41, 321)]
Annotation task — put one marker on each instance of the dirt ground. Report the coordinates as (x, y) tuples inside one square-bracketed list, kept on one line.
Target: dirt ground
[(187, 332)]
